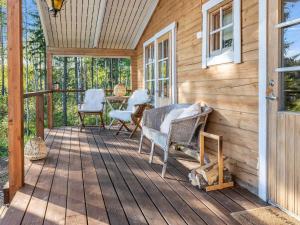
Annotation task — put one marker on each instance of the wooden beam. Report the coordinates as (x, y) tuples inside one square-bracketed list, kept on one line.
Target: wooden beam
[(39, 108), (96, 52), (134, 72), (15, 96), (50, 87)]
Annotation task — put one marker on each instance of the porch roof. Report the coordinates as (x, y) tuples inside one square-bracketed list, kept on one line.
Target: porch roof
[(103, 24)]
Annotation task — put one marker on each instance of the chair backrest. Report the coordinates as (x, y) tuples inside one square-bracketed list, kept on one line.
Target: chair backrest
[(138, 97), (94, 98)]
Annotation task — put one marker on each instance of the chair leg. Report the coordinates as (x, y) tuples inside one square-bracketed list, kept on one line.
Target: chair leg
[(81, 121), (122, 125), (152, 152), (137, 125), (141, 143), (164, 169), (102, 121)]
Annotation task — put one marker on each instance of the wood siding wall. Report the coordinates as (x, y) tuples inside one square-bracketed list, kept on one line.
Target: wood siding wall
[(231, 89)]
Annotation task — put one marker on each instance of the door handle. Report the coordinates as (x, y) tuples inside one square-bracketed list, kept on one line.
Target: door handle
[(271, 97), (270, 91)]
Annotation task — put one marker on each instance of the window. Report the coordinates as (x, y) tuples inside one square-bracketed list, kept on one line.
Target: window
[(160, 66), (163, 69), (221, 32), (149, 70), (290, 54)]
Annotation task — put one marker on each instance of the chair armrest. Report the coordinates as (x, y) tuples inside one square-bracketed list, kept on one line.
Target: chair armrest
[(183, 130), (153, 118)]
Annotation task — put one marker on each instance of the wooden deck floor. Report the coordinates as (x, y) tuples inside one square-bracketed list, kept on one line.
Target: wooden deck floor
[(99, 178)]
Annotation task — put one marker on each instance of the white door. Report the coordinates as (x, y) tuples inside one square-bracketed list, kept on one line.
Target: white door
[(284, 104)]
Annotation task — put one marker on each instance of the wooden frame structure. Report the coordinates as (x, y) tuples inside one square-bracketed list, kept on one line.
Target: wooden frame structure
[(221, 184)]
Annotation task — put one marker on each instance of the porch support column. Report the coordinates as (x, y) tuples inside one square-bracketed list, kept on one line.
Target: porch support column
[(134, 72), (15, 96), (50, 87)]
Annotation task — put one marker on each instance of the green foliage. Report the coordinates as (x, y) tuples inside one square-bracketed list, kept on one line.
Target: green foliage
[(3, 126)]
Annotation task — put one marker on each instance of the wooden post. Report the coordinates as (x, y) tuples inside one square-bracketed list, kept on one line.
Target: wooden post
[(50, 87), (134, 73), (15, 96), (40, 116)]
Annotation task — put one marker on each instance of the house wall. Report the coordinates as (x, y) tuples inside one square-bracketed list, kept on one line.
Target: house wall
[(231, 89)]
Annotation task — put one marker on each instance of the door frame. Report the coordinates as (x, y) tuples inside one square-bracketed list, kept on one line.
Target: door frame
[(170, 28), (262, 114)]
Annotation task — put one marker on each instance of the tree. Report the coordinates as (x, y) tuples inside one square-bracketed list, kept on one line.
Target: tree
[(2, 33), (64, 95)]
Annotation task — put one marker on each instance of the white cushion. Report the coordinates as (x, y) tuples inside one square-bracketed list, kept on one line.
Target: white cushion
[(93, 101), (191, 111), (174, 114), (138, 97), (121, 115)]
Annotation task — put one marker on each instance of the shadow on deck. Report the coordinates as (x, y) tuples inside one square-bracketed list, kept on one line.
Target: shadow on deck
[(96, 177)]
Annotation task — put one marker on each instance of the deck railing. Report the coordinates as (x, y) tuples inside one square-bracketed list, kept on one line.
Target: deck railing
[(40, 104)]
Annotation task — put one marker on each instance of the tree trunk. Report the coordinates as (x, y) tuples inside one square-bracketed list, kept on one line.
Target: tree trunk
[(64, 95), (40, 71), (92, 72), (77, 79), (2, 52), (26, 73)]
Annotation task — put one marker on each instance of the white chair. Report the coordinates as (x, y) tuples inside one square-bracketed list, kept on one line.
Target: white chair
[(93, 104), (136, 105)]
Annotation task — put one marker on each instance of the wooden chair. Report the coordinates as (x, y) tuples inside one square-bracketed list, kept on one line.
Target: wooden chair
[(93, 104), (136, 106)]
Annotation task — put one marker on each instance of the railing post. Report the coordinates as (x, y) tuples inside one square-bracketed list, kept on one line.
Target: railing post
[(40, 116)]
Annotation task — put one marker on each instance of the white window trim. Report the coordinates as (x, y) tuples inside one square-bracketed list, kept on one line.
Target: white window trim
[(263, 115), (170, 28), (225, 57)]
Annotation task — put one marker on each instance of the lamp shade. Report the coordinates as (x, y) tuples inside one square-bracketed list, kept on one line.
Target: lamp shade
[(55, 6)]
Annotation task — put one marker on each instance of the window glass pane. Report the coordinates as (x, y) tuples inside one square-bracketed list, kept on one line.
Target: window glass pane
[(166, 48), (227, 39), (152, 52), (215, 42), (291, 46), (160, 50), (150, 72), (215, 21), (163, 69), (150, 88), (227, 16), (163, 88), (291, 91), (291, 10), (147, 54)]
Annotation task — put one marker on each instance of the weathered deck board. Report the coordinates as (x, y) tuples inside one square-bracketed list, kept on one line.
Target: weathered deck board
[(94, 177)]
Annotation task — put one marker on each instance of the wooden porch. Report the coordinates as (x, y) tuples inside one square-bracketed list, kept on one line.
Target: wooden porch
[(94, 177)]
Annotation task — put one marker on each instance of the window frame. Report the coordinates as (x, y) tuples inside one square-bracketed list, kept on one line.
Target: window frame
[(281, 70), (219, 30), (233, 54), (172, 58), (149, 64)]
